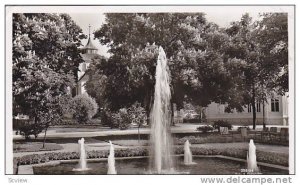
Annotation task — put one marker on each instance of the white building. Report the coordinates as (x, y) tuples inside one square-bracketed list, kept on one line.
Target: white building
[(88, 53), (275, 113)]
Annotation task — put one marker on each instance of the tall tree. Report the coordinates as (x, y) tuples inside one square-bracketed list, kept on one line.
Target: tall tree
[(261, 50), (194, 51), (45, 64)]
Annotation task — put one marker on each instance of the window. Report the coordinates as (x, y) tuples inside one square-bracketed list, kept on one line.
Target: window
[(274, 105), (257, 107), (249, 107), (83, 67)]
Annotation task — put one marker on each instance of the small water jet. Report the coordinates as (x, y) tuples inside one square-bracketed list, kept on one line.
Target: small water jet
[(251, 158), (160, 119), (188, 158), (82, 160), (111, 160)]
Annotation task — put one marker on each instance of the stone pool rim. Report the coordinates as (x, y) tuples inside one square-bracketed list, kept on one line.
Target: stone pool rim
[(28, 169)]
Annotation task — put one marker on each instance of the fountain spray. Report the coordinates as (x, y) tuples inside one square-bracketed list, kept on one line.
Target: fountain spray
[(188, 158), (160, 119), (111, 160), (251, 158)]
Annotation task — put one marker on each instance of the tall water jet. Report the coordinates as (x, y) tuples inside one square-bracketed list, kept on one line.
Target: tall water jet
[(160, 119), (82, 160), (188, 158), (251, 158), (111, 160)]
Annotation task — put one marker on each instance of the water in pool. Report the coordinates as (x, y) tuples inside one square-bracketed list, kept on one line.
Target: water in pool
[(205, 166)]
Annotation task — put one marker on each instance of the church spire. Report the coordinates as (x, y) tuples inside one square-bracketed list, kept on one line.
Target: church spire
[(89, 47), (89, 30)]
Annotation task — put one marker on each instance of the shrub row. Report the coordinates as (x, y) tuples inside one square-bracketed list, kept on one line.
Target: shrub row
[(191, 120), (268, 157), (52, 156), (205, 128), (74, 123), (222, 123), (206, 139)]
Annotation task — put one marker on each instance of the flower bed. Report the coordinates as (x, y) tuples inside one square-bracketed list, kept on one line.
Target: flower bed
[(214, 138), (267, 157)]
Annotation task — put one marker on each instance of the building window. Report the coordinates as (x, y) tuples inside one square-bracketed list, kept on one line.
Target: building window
[(83, 67), (274, 105), (257, 107), (249, 107)]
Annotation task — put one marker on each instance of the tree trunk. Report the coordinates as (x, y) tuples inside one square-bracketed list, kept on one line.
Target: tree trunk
[(45, 137), (253, 108), (172, 114), (264, 123), (148, 106), (139, 134)]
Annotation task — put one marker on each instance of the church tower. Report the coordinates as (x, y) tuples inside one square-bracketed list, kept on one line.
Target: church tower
[(88, 52)]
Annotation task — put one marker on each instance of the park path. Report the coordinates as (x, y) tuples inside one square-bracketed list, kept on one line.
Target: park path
[(78, 132)]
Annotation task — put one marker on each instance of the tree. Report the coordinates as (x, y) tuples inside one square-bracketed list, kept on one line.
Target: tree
[(45, 64), (138, 116), (194, 51), (83, 107), (260, 49)]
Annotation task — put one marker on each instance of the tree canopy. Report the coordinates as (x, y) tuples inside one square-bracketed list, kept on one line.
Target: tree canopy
[(45, 64), (193, 47), (236, 66)]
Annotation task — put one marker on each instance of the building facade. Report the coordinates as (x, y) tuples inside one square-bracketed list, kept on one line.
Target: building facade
[(273, 112), (88, 52)]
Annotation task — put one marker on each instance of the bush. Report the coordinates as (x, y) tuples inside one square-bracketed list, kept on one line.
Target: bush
[(138, 114), (239, 128), (29, 127), (121, 119), (106, 117), (192, 120), (205, 128), (222, 123), (83, 108)]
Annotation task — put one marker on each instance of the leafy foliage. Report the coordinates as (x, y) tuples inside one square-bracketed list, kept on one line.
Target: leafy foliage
[(222, 123), (30, 128), (83, 108), (258, 52), (122, 119), (205, 128), (262, 156), (138, 114), (45, 63), (194, 51)]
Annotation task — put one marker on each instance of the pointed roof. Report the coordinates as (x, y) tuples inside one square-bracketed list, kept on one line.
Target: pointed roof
[(89, 45)]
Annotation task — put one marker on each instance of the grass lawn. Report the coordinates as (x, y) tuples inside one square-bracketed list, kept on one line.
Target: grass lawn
[(131, 142), (35, 147)]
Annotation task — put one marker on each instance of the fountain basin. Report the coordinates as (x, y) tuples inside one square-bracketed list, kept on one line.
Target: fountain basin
[(219, 165)]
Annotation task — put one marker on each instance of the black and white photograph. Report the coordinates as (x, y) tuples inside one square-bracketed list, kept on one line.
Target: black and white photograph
[(150, 90)]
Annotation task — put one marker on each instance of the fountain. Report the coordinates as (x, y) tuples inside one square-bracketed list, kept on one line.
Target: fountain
[(188, 158), (160, 119), (111, 160), (82, 160), (251, 158)]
